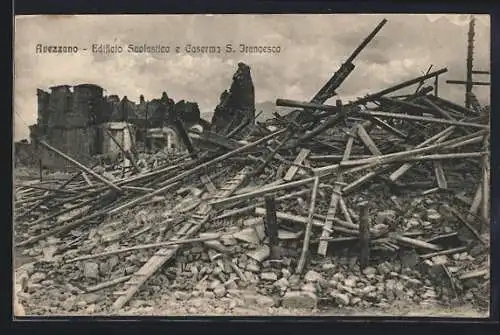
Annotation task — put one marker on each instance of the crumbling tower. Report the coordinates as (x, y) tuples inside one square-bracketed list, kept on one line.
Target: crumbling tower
[(236, 105)]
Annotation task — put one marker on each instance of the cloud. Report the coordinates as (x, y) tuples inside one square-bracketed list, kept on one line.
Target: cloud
[(312, 49)]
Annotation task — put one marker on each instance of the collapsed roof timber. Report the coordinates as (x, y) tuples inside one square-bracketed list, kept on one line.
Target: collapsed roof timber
[(356, 204)]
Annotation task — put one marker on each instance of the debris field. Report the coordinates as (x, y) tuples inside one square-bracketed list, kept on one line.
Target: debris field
[(357, 204)]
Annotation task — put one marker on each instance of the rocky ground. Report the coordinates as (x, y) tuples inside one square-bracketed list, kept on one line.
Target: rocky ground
[(336, 288)]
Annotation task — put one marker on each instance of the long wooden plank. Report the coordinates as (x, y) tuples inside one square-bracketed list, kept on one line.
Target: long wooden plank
[(485, 208), (440, 176), (307, 235), (334, 201), (332, 211), (368, 141), (475, 203), (348, 148), (261, 191), (298, 160)]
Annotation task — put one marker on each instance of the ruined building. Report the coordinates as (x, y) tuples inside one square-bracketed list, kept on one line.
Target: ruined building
[(80, 121), (236, 105)]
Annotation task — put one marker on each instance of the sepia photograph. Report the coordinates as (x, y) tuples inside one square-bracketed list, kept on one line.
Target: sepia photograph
[(251, 165)]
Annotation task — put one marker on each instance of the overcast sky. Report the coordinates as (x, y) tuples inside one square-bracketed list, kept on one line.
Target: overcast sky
[(312, 48)]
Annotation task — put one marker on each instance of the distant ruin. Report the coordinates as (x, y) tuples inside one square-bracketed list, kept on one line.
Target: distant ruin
[(236, 105), (84, 123), (79, 120)]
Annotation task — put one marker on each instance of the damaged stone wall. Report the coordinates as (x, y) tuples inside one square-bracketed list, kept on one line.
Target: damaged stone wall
[(236, 105), (66, 119)]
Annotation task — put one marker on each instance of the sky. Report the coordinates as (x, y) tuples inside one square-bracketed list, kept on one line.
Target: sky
[(312, 47)]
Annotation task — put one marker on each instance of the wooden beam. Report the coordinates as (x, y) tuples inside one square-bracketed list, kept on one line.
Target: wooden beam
[(310, 220), (461, 82), (422, 118), (364, 235), (80, 166), (294, 169), (272, 226), (262, 191), (440, 176), (368, 141)]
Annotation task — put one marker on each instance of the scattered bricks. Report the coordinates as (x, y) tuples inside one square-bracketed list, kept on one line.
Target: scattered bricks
[(440, 260), (269, 276), (180, 295), (333, 283), (309, 287), (368, 289), (328, 267), (208, 294), (253, 267), (386, 217), (228, 241), (37, 277), (411, 282), (340, 298), (384, 268), (285, 273), (312, 277), (91, 270), (433, 216), (220, 291), (282, 284), (231, 284), (299, 300), (412, 223), (215, 283), (370, 272), (69, 303), (112, 236), (436, 271)]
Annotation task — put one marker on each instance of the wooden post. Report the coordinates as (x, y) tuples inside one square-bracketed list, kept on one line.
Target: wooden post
[(436, 85), (485, 208), (40, 169), (307, 234), (364, 235), (272, 227), (81, 166)]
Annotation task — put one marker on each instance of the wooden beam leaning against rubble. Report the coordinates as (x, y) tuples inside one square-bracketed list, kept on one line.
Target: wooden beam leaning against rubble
[(307, 235), (336, 198), (80, 166), (485, 208), (298, 160)]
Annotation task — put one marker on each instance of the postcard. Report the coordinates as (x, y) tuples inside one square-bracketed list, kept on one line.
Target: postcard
[(235, 165)]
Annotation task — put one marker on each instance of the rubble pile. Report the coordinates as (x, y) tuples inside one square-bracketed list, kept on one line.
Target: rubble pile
[(359, 205)]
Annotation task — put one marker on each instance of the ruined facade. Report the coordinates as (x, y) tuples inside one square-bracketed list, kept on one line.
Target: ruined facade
[(236, 105)]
